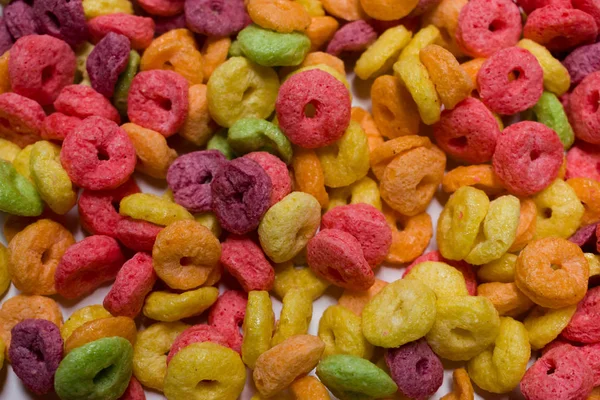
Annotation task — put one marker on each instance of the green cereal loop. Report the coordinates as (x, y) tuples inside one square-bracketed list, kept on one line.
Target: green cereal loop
[(98, 370), (81, 75), (17, 195), (273, 49), (252, 134), (550, 112), (239, 88), (235, 50), (354, 378), (124, 82), (219, 142)]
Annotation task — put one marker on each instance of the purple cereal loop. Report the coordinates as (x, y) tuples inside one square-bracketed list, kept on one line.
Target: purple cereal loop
[(354, 36), (20, 19), (216, 17), (166, 24), (6, 40), (190, 178), (35, 351), (585, 237), (63, 19), (106, 62), (582, 61)]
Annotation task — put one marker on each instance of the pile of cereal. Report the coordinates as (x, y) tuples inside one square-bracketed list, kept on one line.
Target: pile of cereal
[(275, 185)]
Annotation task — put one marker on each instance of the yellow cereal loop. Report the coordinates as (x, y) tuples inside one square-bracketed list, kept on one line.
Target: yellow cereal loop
[(170, 307), (556, 77), (81, 56), (545, 324), (8, 150), (501, 270), (381, 55), (287, 278), (365, 190), (50, 178), (323, 67), (4, 275), (559, 211), (95, 8), (153, 208), (4, 76), (313, 7), (458, 224), (444, 280), (209, 220), (347, 160), (154, 156), (81, 317), (258, 326), (150, 352), (499, 231), (340, 330), (594, 261), (295, 317), (22, 162), (205, 371), (499, 369), (415, 76)]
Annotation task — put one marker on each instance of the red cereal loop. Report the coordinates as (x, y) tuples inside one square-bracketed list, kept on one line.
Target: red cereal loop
[(367, 224), (246, 262), (560, 29), (277, 171), (528, 157), (97, 209), (139, 30), (87, 265), (40, 66), (529, 6), (158, 100), (583, 161), (162, 8), (57, 126), (583, 327), (591, 7), (133, 282), (20, 119), (137, 235), (583, 109), (227, 315), (503, 95), (82, 101), (486, 26), (135, 391), (468, 132), (197, 334), (337, 256), (313, 109), (98, 155)]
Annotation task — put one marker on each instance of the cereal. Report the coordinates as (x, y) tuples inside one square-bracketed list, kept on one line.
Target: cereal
[(219, 142), (17, 195), (164, 8), (277, 368), (30, 338), (552, 272), (441, 278), (479, 176), (185, 254), (417, 371), (5, 278), (365, 190), (23, 118), (152, 208), (309, 387), (196, 334), (253, 135), (287, 277), (506, 297), (134, 281), (82, 101), (227, 316), (308, 175), (35, 253), (387, 10), (153, 153), (353, 37), (295, 316), (170, 307), (583, 116), (587, 192), (258, 327), (220, 18), (270, 49), (205, 371), (121, 96), (139, 30), (321, 30), (95, 8), (198, 125), (413, 303), (8, 150), (340, 330), (97, 370), (81, 317), (277, 171), (463, 389), (382, 155), (559, 211), (581, 327), (19, 19), (104, 74), (350, 376), (245, 261), (582, 159), (556, 76), (134, 391), (99, 328), (381, 55), (550, 112)]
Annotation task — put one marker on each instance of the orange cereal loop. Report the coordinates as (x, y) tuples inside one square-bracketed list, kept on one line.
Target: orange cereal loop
[(452, 83), (527, 225), (350, 10), (309, 388), (395, 111), (214, 53), (479, 176), (472, 68), (100, 328), (506, 298), (595, 395), (21, 307), (382, 155), (410, 236), (445, 18), (367, 123), (312, 59), (198, 127), (320, 31), (186, 254), (4, 76), (552, 272), (588, 191), (34, 255), (463, 388), (154, 156), (283, 16), (388, 10), (308, 175), (356, 301), (14, 224), (411, 179), (563, 169)]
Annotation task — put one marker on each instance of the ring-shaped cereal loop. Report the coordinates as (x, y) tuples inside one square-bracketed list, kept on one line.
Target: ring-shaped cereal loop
[(479, 176), (410, 242)]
